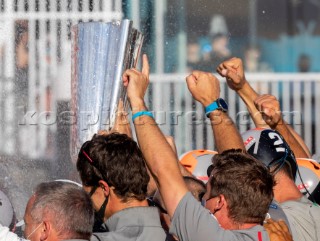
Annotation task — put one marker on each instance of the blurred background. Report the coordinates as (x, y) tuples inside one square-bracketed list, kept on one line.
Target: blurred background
[(279, 42)]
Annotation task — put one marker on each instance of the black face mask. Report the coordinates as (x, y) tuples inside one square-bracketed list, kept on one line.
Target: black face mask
[(101, 211), (98, 226)]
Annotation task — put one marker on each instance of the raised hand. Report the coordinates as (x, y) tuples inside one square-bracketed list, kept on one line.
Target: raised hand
[(204, 87), (137, 83), (269, 107), (232, 69)]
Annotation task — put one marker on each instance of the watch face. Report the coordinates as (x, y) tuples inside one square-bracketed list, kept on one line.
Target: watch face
[(223, 104)]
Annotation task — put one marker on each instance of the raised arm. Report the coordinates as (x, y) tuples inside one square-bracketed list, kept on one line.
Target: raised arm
[(233, 71), (161, 160), (269, 107), (183, 170), (205, 88)]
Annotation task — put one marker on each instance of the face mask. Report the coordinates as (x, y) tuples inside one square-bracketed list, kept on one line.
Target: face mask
[(98, 226), (99, 215), (102, 209)]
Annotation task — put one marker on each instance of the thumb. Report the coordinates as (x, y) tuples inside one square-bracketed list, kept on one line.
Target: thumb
[(223, 73), (145, 65), (191, 82), (125, 78)]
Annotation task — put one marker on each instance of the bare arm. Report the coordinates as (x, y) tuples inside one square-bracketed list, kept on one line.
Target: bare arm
[(205, 88), (161, 160), (226, 135), (269, 106), (183, 170), (299, 140), (233, 71)]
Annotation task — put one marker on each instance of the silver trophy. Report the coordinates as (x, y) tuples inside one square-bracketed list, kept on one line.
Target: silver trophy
[(101, 52)]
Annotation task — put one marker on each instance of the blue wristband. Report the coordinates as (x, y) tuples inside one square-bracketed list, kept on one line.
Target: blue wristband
[(141, 113), (212, 107)]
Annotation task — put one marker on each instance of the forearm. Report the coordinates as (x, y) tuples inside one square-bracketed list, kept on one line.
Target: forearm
[(294, 140), (225, 133), (248, 95), (161, 160), (183, 170)]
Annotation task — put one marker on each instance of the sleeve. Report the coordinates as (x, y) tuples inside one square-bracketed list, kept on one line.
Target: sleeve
[(191, 221), (315, 213), (6, 235)]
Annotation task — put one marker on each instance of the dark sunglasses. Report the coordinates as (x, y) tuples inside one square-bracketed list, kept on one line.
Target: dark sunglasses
[(209, 170)]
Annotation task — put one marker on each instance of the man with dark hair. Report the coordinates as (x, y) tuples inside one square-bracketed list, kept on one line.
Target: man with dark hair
[(58, 211), (270, 148), (113, 171), (276, 148), (229, 172), (190, 220)]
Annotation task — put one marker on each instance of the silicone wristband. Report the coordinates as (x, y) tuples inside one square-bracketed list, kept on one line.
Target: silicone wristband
[(141, 113)]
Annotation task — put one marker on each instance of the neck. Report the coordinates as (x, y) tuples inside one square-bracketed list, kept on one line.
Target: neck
[(246, 225), (133, 203), (238, 226), (115, 204), (228, 223), (285, 189)]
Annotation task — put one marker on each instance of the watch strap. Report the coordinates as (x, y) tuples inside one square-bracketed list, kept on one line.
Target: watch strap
[(212, 107)]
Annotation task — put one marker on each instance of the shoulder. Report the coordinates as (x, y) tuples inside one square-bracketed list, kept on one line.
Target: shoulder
[(191, 221), (298, 205)]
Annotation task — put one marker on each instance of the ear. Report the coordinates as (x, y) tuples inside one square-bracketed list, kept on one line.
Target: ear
[(221, 202), (105, 187), (46, 229)]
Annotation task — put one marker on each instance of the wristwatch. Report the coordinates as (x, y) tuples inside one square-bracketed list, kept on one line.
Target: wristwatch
[(219, 104)]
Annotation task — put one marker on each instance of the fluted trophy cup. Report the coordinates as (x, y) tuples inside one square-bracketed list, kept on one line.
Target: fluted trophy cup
[(101, 52)]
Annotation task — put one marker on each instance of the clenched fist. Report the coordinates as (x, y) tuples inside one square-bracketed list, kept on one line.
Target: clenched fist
[(232, 69), (204, 87), (269, 107)]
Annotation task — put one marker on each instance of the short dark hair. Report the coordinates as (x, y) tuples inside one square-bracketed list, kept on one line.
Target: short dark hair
[(116, 159), (62, 201), (195, 186), (246, 184)]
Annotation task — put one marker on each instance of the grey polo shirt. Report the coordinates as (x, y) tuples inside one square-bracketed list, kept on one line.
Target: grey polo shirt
[(192, 222), (133, 224), (304, 219)]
